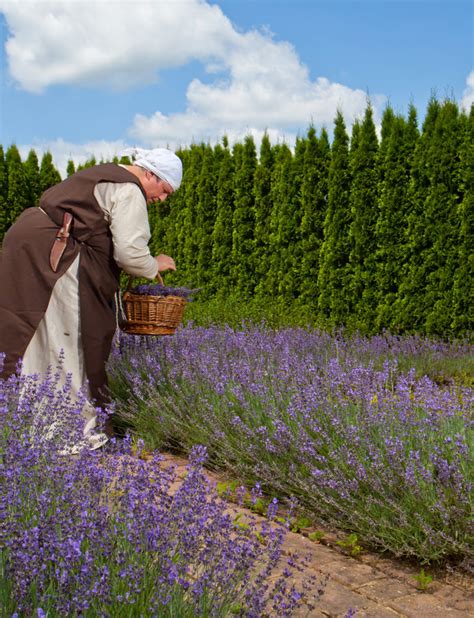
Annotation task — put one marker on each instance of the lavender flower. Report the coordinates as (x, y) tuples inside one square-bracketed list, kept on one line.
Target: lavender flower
[(354, 427), (157, 289), (101, 533)]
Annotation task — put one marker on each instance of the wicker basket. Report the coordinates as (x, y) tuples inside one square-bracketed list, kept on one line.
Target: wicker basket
[(151, 315)]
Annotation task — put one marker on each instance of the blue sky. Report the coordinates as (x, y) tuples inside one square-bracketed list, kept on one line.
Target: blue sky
[(83, 78)]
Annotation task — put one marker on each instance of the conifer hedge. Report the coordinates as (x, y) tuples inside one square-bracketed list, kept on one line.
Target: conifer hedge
[(367, 232)]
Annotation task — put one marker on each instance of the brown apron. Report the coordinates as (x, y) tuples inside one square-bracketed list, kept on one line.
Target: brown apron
[(27, 278)]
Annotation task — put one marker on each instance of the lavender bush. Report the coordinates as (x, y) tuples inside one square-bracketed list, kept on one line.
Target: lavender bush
[(101, 534), (341, 425)]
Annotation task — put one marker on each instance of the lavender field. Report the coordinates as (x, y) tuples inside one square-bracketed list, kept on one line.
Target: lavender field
[(102, 534), (370, 436)]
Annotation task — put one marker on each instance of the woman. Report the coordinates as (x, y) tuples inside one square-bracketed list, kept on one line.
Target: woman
[(60, 266)]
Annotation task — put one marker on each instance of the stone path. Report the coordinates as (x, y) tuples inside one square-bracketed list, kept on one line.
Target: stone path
[(376, 587)]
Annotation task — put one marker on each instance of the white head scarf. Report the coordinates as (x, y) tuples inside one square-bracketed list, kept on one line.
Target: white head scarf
[(159, 161)]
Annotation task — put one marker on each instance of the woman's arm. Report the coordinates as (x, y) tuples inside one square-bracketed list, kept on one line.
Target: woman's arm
[(126, 213)]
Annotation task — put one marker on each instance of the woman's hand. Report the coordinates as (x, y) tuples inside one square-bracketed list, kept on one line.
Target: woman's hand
[(165, 262)]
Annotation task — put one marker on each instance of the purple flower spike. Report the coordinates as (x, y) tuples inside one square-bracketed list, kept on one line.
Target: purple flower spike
[(105, 532), (363, 431)]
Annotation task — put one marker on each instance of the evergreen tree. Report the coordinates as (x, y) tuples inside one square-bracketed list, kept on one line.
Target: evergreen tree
[(71, 168), (463, 287), (222, 232), (244, 219), (4, 214), (160, 219), (290, 277), (279, 282), (395, 160), (410, 307), (205, 219), (263, 210), (333, 286), (442, 212), (49, 175), (157, 215), (187, 231), (18, 196), (314, 192), (90, 162), (167, 219), (354, 142), (12, 156), (3, 175), (389, 119), (364, 211), (33, 175)]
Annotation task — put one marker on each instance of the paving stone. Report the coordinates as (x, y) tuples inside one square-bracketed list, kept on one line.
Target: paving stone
[(386, 590), (377, 612), (393, 568), (305, 613), (352, 574), (319, 554), (377, 587), (337, 600), (461, 600), (462, 580), (424, 605)]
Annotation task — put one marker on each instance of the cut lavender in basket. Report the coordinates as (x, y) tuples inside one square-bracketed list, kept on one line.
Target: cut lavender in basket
[(157, 289)]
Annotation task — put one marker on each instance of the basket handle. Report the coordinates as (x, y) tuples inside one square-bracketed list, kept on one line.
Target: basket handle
[(130, 280)]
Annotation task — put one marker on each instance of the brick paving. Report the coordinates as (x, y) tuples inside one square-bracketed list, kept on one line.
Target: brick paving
[(375, 587)]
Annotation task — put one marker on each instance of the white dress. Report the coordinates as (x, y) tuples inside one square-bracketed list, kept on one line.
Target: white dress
[(59, 332)]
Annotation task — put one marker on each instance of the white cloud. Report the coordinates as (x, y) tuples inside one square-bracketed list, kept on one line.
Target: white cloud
[(115, 43), (468, 94), (255, 82), (267, 86)]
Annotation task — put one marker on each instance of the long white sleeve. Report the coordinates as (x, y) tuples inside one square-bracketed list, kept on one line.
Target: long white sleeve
[(125, 211)]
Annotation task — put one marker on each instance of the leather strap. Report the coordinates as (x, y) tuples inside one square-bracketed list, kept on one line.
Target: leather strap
[(60, 242)]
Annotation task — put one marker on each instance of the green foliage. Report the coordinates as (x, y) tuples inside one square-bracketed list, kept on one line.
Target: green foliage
[(91, 161), (423, 580), (353, 233), (49, 175), (350, 545), (363, 201), (33, 176), (71, 168), (314, 189), (411, 307), (167, 218), (395, 158), (441, 207), (299, 523), (18, 195), (463, 290), (205, 219), (4, 215), (222, 231), (187, 232), (335, 250), (243, 219), (316, 536), (284, 225), (263, 210)]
